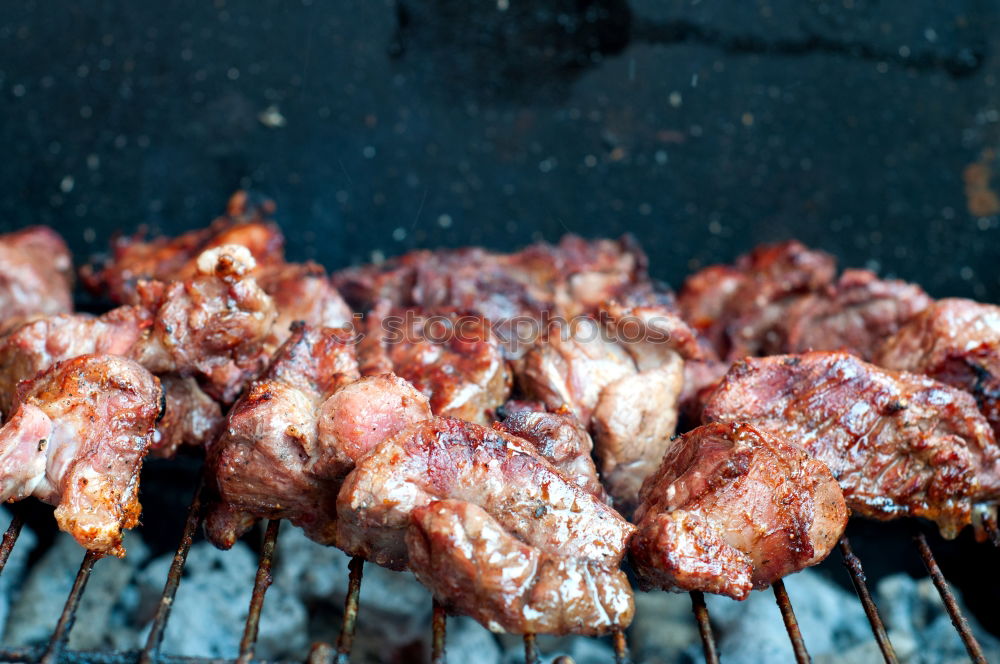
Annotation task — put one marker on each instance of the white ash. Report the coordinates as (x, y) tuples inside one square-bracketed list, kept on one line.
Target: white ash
[(305, 601), (835, 628)]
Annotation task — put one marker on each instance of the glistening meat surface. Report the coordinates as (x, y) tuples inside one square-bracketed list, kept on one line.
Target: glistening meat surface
[(732, 508), (36, 276), (900, 444), (76, 439), (448, 458)]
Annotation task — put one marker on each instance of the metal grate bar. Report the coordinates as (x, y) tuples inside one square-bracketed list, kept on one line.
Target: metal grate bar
[(620, 645), (346, 639), (530, 649), (853, 565), (10, 538), (704, 627), (61, 634), (31, 655), (439, 624), (957, 619), (159, 626), (261, 583), (791, 624)]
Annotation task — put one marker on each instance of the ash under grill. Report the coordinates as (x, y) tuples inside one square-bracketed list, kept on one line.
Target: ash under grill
[(56, 650)]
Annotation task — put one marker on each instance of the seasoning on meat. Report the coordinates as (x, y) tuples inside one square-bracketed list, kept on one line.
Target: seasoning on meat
[(732, 508), (900, 444), (454, 358), (957, 342), (76, 439)]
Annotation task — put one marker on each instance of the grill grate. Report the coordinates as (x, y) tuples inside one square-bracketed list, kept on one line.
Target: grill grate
[(57, 653)]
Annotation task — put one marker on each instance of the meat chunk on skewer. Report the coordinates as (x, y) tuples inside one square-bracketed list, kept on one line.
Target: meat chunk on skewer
[(900, 444), (741, 309), (134, 259), (857, 313), (213, 326), (297, 431), (732, 508), (560, 439), (453, 358), (957, 342), (302, 292), (477, 568), (566, 279), (622, 376), (191, 417), (36, 276), (503, 474), (76, 439)]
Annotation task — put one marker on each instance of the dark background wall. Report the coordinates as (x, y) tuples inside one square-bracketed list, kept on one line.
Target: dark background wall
[(861, 126)]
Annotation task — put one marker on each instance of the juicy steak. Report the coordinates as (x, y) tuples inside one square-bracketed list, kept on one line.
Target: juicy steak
[(76, 439), (900, 444), (732, 508), (956, 342)]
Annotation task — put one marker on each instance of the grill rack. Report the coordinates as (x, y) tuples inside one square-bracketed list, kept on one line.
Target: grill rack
[(322, 653)]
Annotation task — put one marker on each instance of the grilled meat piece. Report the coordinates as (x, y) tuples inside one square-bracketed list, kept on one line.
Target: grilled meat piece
[(857, 313), (475, 567), (449, 458), (733, 508), (560, 439), (566, 279), (36, 276), (259, 462), (168, 259), (302, 292), (191, 417), (957, 342), (900, 444), (76, 439), (37, 345), (296, 432), (741, 309), (452, 357), (622, 376), (213, 326)]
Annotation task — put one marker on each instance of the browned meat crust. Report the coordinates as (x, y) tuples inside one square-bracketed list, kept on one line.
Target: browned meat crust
[(36, 276), (733, 508), (857, 314), (741, 309), (956, 342), (134, 259), (76, 439), (477, 568), (560, 439), (621, 374), (900, 444), (566, 279), (452, 357), (297, 431), (302, 292), (448, 458)]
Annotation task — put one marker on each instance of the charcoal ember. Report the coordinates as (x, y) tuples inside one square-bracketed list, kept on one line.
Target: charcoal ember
[(36, 610), (581, 649), (212, 603)]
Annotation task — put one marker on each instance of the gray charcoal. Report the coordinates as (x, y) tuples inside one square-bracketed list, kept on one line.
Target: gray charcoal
[(13, 573)]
